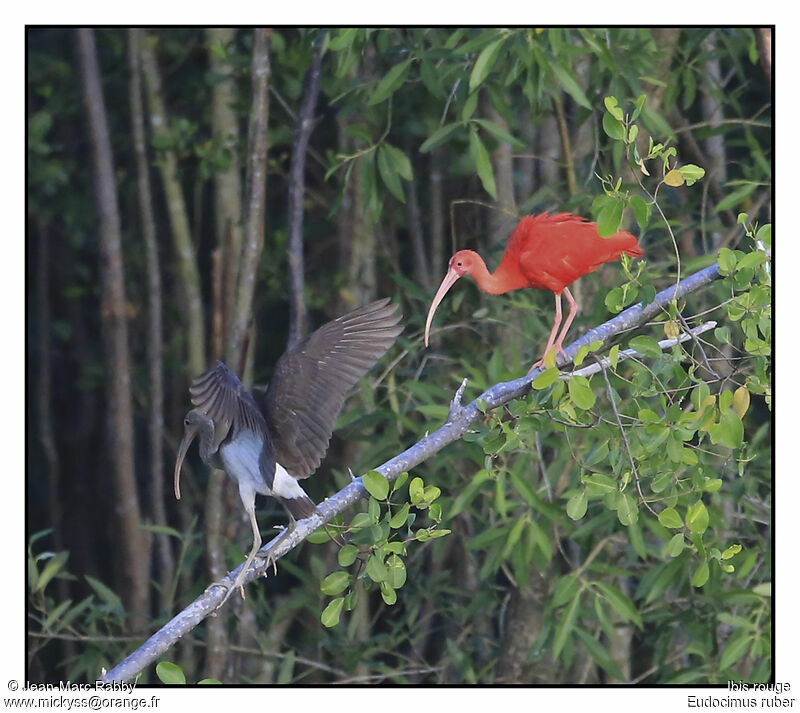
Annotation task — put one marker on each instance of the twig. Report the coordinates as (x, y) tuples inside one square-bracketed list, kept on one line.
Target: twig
[(624, 438), (428, 446)]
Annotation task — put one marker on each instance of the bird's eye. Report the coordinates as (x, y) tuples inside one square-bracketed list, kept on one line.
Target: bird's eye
[(186, 422), (458, 263)]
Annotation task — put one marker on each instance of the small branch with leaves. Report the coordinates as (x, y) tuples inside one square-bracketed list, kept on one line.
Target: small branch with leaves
[(459, 420)]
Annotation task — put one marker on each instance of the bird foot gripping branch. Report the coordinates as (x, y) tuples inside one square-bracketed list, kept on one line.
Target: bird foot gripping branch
[(266, 448)]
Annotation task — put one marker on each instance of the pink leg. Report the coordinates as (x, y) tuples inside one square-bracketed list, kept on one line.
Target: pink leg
[(573, 310), (552, 338)]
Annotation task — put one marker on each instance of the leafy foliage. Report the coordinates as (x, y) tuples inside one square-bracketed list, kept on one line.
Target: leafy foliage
[(632, 506)]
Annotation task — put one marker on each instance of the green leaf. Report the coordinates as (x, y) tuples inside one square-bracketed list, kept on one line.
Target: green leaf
[(570, 86), (613, 108), (598, 484), (390, 82), (577, 505), (675, 545), (700, 576), (613, 356), (620, 603), (337, 581), (400, 517), (347, 555), (170, 673), (613, 300), (55, 615), (692, 173), (469, 108), (389, 175), (566, 624), (376, 484), (610, 218), (580, 392), (641, 210), (388, 594), (438, 137), (729, 431), (545, 379), (513, 537), (727, 261), (735, 649), (396, 577), (600, 654), (399, 160), (638, 104), (318, 537), (483, 164), (645, 345), (376, 568), (614, 128), (697, 517), (564, 590), (109, 597), (499, 132), (209, 682), (483, 65), (416, 490), (731, 551), (736, 197), (400, 481), (50, 570), (627, 509), (331, 613), (669, 517)]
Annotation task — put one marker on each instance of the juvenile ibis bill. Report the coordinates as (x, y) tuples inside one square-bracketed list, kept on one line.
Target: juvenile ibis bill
[(267, 448), (548, 252)]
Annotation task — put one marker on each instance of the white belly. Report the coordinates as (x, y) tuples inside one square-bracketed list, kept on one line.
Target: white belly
[(242, 463)]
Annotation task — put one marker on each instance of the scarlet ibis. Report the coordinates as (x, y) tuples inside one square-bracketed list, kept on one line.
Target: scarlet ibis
[(548, 252), (267, 448)]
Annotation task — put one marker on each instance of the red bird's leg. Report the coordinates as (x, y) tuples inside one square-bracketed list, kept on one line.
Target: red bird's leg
[(573, 310), (552, 338)]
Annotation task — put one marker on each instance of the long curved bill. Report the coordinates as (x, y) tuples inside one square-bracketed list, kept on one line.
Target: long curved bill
[(447, 283), (188, 437)]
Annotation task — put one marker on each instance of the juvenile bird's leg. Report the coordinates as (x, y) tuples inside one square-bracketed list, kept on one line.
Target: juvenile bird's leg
[(288, 530), (237, 584), (552, 338)]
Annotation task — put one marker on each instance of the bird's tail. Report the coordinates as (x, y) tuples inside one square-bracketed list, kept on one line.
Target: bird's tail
[(634, 251), (300, 507)]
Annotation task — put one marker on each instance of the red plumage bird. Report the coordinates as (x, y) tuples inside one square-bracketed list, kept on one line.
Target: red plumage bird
[(548, 252)]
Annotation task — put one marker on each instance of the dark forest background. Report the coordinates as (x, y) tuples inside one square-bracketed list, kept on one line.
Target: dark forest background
[(201, 194)]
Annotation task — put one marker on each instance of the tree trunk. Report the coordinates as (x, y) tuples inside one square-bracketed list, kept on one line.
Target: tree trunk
[(176, 209), (44, 416), (134, 544), (714, 145), (155, 339), (298, 314), (437, 213), (227, 184), (255, 197)]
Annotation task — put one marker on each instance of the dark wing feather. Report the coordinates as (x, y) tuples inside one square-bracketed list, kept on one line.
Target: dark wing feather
[(220, 396), (311, 380)]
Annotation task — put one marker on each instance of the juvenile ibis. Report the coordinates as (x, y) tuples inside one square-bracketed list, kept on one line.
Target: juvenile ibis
[(266, 448), (548, 252)]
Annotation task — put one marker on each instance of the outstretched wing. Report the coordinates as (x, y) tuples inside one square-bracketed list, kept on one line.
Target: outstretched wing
[(220, 396), (312, 378)]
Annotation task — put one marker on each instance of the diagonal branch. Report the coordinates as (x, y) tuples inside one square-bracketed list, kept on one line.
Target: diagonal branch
[(458, 422)]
